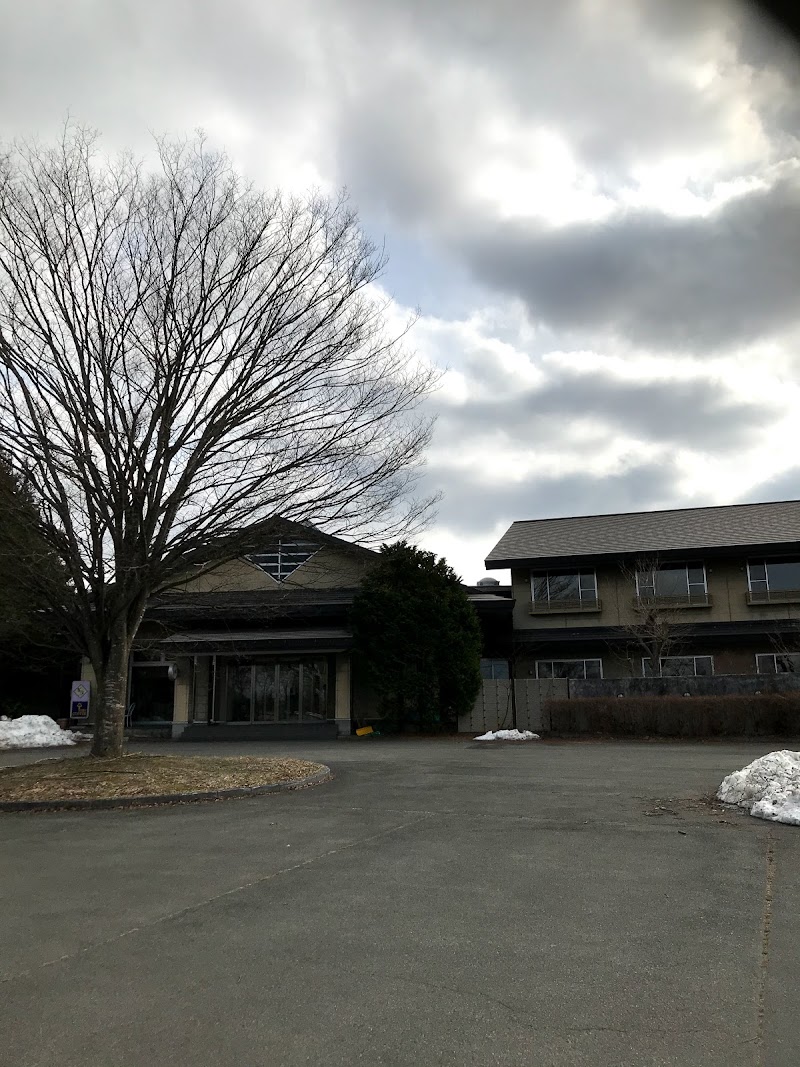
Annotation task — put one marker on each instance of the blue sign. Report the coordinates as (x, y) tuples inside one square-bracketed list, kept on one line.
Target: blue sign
[(79, 700)]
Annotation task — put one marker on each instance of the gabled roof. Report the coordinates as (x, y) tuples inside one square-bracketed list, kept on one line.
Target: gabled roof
[(286, 528), (263, 537), (532, 541)]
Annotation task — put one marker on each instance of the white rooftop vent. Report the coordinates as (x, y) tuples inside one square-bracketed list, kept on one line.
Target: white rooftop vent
[(488, 581)]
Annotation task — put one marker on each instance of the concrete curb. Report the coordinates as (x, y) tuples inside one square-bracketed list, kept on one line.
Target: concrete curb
[(108, 803)]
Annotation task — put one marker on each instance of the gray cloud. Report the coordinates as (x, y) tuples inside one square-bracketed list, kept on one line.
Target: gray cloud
[(690, 284), (665, 416), (699, 414), (403, 77), (136, 67), (671, 415), (784, 486), (471, 507), (606, 79), (392, 99), (614, 88)]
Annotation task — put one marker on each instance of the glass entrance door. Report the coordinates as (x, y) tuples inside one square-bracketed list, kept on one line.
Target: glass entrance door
[(152, 695), (274, 691)]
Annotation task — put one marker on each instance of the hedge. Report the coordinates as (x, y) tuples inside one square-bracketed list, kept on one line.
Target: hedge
[(757, 715)]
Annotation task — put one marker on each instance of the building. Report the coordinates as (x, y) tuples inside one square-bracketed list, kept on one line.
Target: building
[(722, 582), (260, 648), (256, 648)]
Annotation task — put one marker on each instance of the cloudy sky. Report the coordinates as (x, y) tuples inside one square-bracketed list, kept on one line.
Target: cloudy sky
[(593, 206)]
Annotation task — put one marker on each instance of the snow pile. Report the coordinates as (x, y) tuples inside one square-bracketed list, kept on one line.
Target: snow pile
[(33, 731), (769, 787), (508, 735)]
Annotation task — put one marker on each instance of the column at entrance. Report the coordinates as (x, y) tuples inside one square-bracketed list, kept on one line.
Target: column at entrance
[(200, 697), (342, 695)]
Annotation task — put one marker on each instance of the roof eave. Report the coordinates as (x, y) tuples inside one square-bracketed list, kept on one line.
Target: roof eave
[(709, 551)]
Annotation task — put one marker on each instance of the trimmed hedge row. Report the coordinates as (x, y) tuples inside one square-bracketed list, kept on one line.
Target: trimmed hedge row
[(671, 716)]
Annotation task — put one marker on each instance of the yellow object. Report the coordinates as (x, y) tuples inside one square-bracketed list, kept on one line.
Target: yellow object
[(363, 731)]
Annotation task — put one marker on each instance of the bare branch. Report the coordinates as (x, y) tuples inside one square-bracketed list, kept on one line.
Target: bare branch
[(655, 631), (183, 360)]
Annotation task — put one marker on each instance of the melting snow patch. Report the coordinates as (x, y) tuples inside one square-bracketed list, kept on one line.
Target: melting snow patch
[(33, 731), (508, 735), (769, 787)]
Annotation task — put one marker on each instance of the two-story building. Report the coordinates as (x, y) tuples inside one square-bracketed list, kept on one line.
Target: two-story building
[(722, 582)]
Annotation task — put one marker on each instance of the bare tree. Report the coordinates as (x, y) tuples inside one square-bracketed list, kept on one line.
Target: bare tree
[(655, 631), (785, 644), (183, 359)]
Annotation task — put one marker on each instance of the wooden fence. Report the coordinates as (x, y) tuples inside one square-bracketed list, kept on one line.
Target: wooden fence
[(493, 709)]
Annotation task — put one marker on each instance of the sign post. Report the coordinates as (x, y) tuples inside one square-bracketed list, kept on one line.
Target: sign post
[(79, 700)]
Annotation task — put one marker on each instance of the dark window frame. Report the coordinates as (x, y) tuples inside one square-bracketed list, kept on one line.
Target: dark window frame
[(578, 659), (763, 585), (647, 590), (580, 574), (793, 658), (492, 664), (665, 659)]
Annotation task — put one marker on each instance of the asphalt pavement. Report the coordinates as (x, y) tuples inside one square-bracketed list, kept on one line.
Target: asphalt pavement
[(440, 902)]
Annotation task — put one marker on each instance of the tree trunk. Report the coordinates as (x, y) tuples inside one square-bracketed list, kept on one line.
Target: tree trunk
[(112, 695)]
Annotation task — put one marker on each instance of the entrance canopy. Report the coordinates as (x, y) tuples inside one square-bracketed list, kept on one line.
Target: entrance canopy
[(244, 642)]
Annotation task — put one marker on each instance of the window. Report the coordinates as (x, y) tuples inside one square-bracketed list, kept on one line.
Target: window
[(576, 587), (287, 676), (285, 691), (284, 558), (569, 668), (314, 691), (778, 663), (239, 693), (494, 669), (680, 580), (773, 579), (681, 667)]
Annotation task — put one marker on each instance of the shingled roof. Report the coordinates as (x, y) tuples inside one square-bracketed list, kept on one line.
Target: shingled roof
[(533, 541)]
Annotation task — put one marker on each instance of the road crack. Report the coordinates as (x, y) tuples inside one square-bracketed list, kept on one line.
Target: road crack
[(198, 905), (766, 929)]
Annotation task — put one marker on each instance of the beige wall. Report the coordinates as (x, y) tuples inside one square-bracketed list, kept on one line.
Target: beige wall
[(201, 679), (332, 568), (88, 675), (727, 587), (329, 568), (183, 689), (342, 692), (237, 575)]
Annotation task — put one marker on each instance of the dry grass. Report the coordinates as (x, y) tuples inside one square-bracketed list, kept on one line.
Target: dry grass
[(138, 775)]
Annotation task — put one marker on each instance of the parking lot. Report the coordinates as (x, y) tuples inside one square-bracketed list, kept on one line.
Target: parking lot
[(440, 902)]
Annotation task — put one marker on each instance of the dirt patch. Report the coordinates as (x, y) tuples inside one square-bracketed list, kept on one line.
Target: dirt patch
[(140, 775), (680, 807)]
